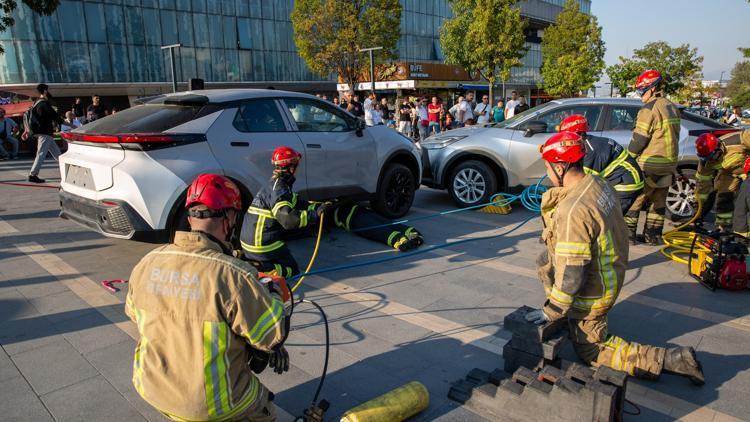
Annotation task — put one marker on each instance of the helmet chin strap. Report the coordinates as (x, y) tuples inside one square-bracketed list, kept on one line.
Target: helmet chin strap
[(560, 177)]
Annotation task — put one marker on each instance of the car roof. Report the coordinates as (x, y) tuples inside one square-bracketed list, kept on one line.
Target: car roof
[(599, 100), (236, 94)]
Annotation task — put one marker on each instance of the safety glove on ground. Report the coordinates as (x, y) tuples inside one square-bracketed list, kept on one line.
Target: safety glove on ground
[(537, 316), (682, 361), (279, 360)]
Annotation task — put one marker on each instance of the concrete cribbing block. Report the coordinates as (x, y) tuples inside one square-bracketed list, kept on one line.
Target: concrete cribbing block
[(513, 359), (461, 391), (478, 376), (578, 372), (516, 323), (497, 376), (547, 349), (615, 378)]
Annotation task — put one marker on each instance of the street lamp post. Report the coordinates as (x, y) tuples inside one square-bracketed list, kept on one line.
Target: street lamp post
[(611, 88), (371, 50), (171, 48), (595, 87)]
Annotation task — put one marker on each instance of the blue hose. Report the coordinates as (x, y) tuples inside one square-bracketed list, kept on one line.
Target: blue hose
[(530, 198)]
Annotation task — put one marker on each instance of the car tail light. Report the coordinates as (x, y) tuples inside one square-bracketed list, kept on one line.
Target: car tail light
[(716, 132), (142, 139), (82, 137), (138, 141), (722, 132)]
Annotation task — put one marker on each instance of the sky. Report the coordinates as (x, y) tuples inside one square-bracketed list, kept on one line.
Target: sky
[(715, 27)]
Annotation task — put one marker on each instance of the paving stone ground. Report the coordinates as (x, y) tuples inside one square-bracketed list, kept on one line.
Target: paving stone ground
[(430, 317)]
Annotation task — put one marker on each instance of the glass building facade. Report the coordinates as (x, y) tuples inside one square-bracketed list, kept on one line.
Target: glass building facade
[(118, 41)]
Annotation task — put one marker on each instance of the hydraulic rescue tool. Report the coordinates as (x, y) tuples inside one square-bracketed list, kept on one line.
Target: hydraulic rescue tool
[(718, 260)]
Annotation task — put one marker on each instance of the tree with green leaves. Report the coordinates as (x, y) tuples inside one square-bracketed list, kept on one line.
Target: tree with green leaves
[(485, 36), (42, 7), (572, 52), (678, 66), (738, 87), (330, 33)]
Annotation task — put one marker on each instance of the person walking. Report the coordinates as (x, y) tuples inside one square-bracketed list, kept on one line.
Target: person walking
[(510, 106), (8, 130), (404, 118), (498, 112), (583, 267), (654, 145), (482, 111), (205, 321), (40, 125)]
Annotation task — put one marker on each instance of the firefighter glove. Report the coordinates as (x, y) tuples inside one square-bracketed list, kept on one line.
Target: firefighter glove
[(537, 316), (279, 360)]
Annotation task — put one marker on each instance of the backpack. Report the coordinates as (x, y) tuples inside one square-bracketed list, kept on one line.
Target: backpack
[(30, 119)]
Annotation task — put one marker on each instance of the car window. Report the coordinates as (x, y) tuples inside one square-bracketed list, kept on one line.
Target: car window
[(517, 117), (554, 117), (258, 116), (316, 116), (147, 118), (687, 115), (622, 118)]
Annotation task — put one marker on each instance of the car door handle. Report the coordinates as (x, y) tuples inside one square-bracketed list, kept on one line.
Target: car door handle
[(314, 146), (239, 144)]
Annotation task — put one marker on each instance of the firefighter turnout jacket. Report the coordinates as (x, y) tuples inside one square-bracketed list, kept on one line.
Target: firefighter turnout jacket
[(656, 137), (587, 249), (274, 210), (197, 310), (725, 173), (609, 160), (740, 223)]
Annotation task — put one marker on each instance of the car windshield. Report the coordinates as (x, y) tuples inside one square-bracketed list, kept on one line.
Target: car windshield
[(147, 118), (518, 117)]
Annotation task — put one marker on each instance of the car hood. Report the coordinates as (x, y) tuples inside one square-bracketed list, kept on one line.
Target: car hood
[(464, 132)]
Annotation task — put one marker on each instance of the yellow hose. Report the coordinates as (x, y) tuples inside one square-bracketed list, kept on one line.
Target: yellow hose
[(678, 243), (314, 255)]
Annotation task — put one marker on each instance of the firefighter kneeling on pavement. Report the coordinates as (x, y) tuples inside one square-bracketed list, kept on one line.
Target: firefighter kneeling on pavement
[(204, 319), (720, 170), (583, 268), (275, 210), (608, 160)]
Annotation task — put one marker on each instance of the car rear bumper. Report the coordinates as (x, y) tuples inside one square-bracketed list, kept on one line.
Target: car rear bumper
[(111, 218)]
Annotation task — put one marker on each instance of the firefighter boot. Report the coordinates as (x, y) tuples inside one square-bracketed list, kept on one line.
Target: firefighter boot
[(415, 238), (682, 361), (653, 229), (402, 244), (631, 219)]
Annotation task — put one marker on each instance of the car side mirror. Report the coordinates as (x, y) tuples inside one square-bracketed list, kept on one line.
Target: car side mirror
[(359, 127), (535, 126)]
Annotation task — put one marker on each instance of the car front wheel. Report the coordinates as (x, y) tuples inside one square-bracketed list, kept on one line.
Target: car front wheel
[(681, 202), (472, 183), (395, 192)]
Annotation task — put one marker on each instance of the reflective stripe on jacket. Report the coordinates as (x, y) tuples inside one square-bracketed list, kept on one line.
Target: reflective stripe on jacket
[(274, 210), (656, 137), (735, 149), (587, 245), (609, 160), (197, 310)]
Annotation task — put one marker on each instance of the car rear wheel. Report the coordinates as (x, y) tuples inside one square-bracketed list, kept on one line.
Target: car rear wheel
[(681, 202), (396, 191), (472, 183)]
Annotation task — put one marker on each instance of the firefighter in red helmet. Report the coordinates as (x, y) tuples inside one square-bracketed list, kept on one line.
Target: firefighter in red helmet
[(583, 268), (274, 210), (654, 145), (203, 318), (609, 160), (720, 170)]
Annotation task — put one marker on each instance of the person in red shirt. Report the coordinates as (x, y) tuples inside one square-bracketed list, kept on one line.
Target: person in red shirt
[(434, 113)]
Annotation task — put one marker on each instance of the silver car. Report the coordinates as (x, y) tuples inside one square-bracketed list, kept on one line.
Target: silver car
[(475, 162), (126, 175)]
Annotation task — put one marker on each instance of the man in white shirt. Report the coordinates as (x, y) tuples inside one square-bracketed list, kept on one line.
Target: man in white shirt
[(422, 118), (369, 108), (510, 106), (735, 119), (465, 111), (7, 129), (482, 111)]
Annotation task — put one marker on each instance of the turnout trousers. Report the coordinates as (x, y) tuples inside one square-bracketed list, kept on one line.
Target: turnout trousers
[(653, 200), (354, 218), (596, 347), (279, 262)]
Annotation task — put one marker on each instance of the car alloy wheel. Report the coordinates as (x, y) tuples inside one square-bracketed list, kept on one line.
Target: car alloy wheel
[(469, 185), (681, 201), (399, 192)]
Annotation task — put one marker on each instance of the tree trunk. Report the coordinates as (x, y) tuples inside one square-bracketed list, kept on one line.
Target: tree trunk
[(491, 90)]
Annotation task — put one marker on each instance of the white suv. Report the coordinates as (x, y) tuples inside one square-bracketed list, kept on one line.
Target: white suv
[(126, 175)]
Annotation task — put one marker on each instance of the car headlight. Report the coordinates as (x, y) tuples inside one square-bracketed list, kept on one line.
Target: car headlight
[(441, 142)]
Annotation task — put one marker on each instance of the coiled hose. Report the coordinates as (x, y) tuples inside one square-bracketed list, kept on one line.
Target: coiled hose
[(678, 243)]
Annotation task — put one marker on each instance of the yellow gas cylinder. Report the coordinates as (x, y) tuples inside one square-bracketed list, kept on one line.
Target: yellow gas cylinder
[(395, 405)]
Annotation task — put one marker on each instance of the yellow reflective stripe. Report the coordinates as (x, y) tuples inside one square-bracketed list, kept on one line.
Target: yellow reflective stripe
[(262, 249), (573, 249), (266, 322), (656, 159), (560, 297), (349, 217), (278, 270), (303, 219), (743, 234), (614, 164), (288, 272), (632, 154), (259, 211), (645, 126), (279, 205), (590, 171), (632, 170), (629, 188), (140, 351), (703, 178), (215, 340), (294, 199), (390, 238), (259, 230), (731, 161), (409, 231)]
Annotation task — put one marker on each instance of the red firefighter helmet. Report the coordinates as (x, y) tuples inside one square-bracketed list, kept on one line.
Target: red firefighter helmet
[(574, 123), (706, 144), (563, 147), (647, 80), (214, 191), (285, 157), (747, 166)]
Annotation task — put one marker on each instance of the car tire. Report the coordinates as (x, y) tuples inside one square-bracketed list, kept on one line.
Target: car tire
[(395, 191), (681, 202), (472, 183)]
